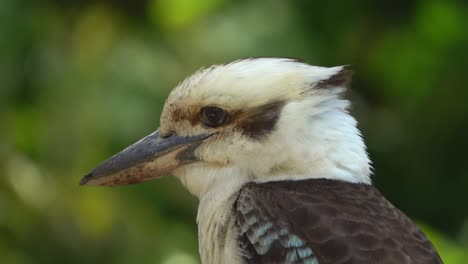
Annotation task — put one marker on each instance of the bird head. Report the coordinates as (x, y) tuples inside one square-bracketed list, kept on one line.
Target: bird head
[(252, 120)]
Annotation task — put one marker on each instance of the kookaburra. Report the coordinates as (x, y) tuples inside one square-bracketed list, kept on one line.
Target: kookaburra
[(280, 169)]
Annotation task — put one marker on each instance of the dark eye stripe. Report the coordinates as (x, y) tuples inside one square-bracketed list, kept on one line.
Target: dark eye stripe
[(255, 123), (261, 121)]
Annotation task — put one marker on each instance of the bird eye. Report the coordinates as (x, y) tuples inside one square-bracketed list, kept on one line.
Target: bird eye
[(213, 116)]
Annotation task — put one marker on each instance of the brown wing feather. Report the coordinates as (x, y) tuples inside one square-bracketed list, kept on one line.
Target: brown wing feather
[(327, 222)]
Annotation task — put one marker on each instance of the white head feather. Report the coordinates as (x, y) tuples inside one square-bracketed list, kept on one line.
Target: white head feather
[(313, 137)]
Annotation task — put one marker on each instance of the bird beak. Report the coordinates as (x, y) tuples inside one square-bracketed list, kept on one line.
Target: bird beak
[(150, 158)]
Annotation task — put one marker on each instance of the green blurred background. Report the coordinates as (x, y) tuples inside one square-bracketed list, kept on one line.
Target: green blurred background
[(80, 80)]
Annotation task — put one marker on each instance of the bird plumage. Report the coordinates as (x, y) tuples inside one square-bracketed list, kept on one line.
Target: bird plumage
[(327, 222)]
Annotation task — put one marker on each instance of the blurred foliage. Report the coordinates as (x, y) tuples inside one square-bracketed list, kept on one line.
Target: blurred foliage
[(79, 80)]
